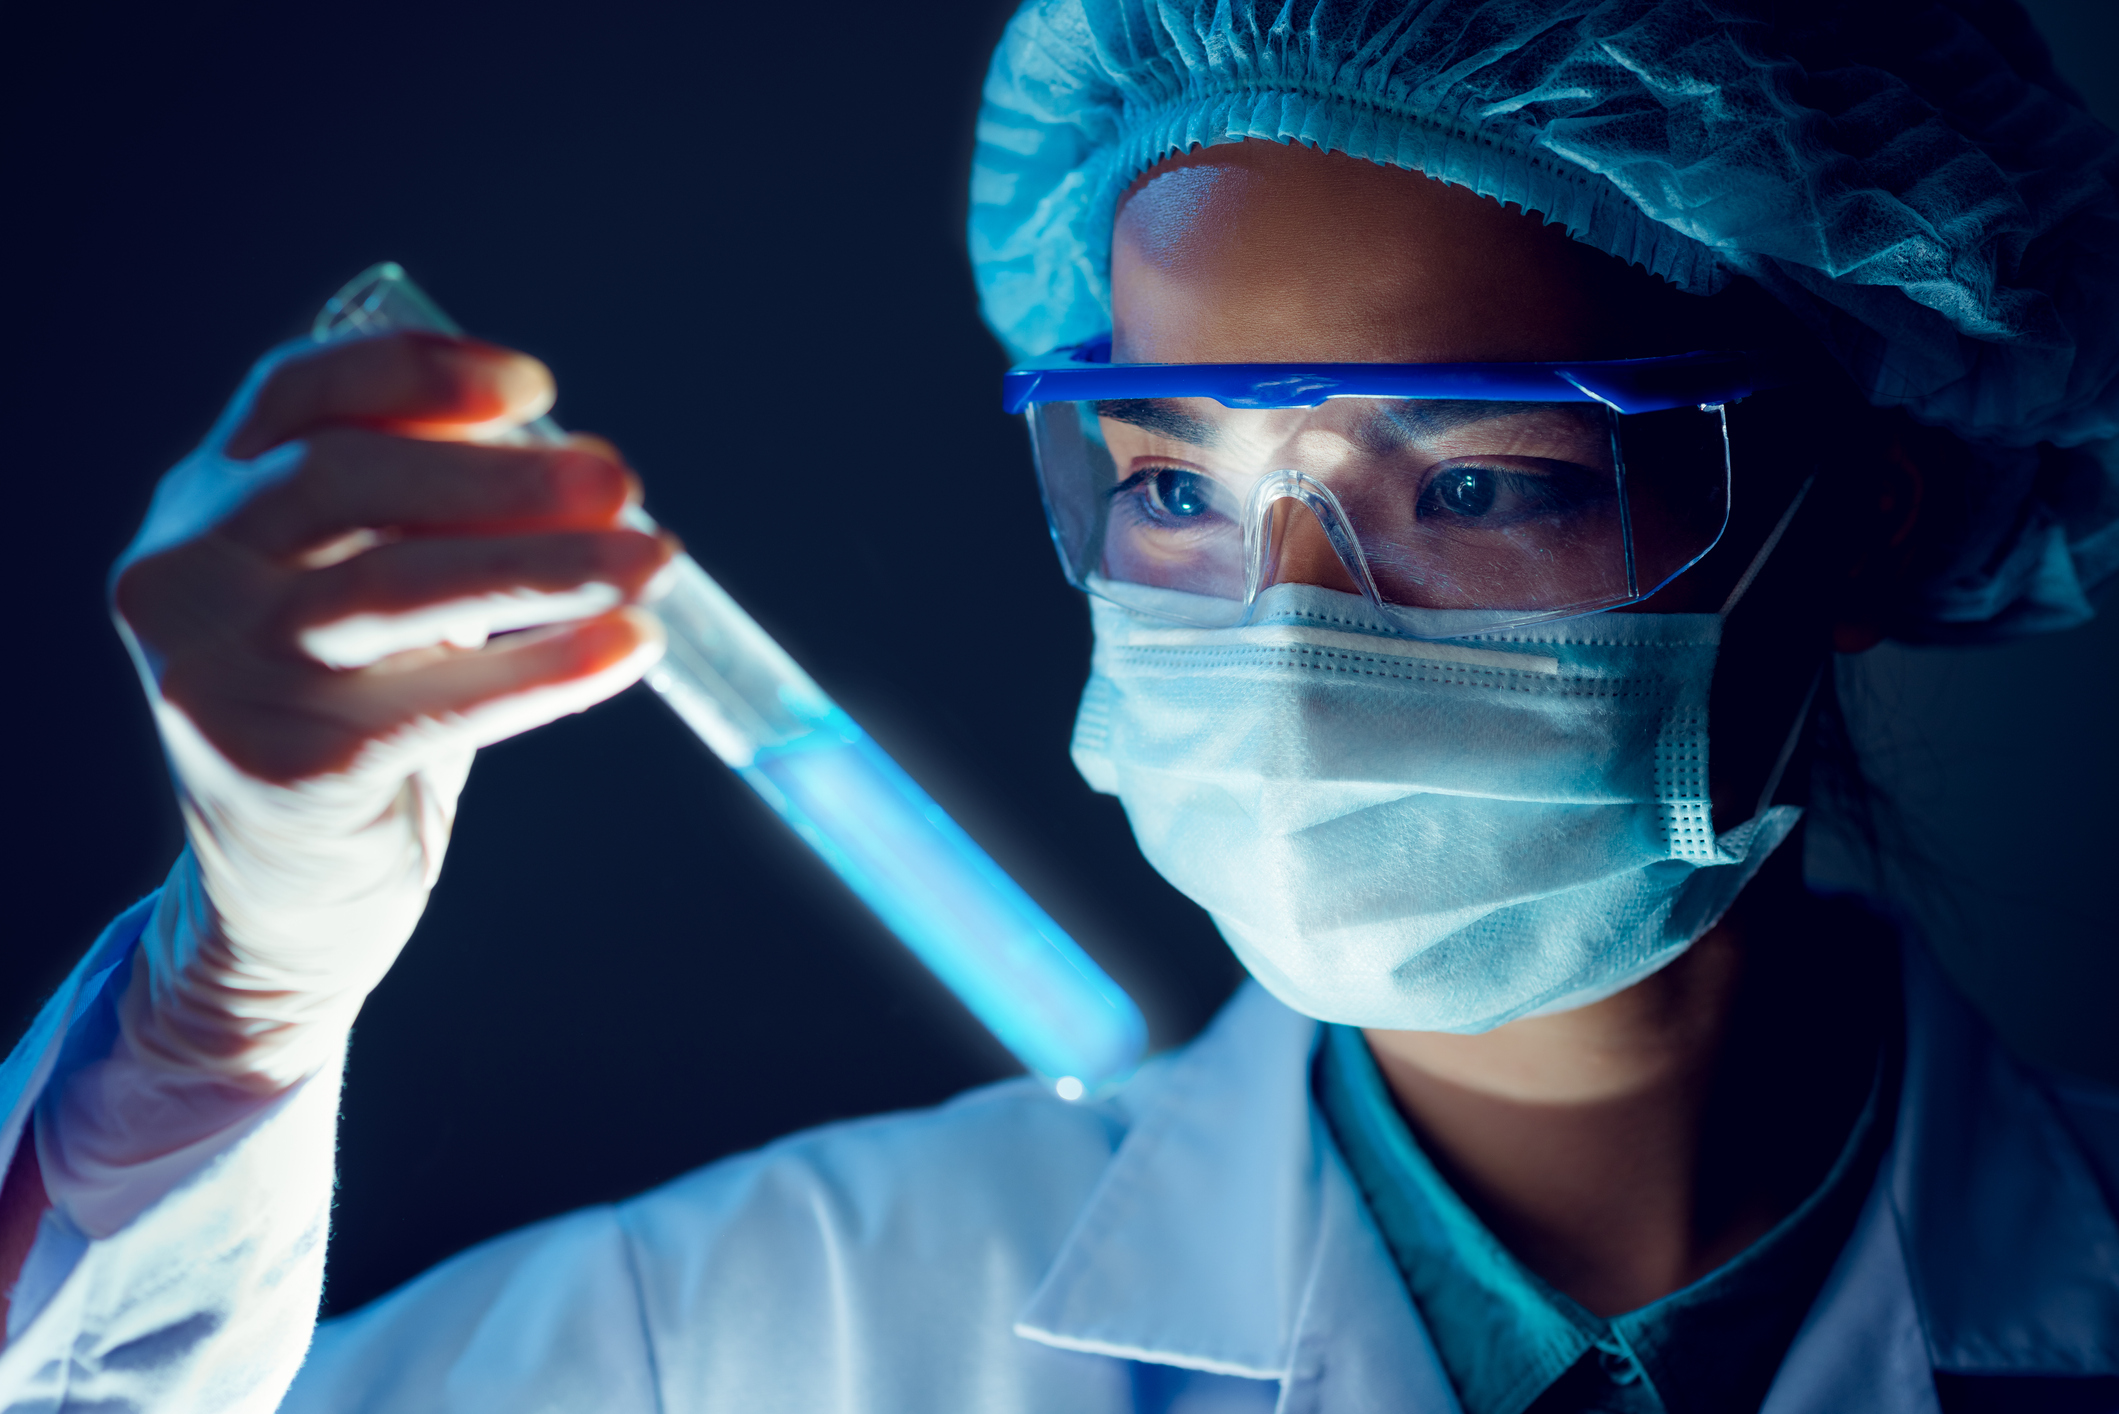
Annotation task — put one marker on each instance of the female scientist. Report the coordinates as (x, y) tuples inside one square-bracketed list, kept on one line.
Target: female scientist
[(1674, 347)]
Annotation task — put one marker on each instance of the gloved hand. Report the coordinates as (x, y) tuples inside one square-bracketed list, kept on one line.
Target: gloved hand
[(309, 603)]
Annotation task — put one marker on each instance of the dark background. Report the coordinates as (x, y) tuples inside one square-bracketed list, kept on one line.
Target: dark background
[(748, 269)]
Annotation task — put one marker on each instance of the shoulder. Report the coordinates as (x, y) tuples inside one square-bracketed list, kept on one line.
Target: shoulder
[(1003, 1169), (902, 1247), (550, 1308), (893, 1245)]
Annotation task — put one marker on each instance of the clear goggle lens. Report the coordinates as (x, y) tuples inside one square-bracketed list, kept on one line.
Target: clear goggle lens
[(1449, 515)]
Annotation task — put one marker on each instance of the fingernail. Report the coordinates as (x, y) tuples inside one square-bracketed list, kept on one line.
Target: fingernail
[(525, 385), (521, 384)]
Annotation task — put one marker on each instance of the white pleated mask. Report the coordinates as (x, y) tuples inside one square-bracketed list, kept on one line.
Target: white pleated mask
[(1424, 836)]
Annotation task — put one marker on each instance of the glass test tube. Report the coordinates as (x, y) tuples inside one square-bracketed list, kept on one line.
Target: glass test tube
[(930, 883)]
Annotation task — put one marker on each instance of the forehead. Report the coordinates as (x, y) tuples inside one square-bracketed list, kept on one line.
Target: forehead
[(1268, 252), (1189, 428)]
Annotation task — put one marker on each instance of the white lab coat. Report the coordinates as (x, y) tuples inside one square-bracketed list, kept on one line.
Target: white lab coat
[(1195, 1244)]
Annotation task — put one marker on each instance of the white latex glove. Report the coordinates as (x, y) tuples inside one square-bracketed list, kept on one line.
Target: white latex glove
[(309, 602)]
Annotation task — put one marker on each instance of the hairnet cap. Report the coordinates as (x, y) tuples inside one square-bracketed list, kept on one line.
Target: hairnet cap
[(1911, 178)]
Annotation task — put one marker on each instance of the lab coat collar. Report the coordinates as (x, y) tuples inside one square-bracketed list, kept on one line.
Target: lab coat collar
[(1227, 1236)]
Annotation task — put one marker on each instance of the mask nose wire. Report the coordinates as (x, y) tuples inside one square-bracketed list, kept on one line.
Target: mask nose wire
[(1317, 498)]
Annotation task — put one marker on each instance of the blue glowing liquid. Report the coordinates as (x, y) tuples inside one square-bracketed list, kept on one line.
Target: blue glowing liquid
[(932, 885), (936, 889)]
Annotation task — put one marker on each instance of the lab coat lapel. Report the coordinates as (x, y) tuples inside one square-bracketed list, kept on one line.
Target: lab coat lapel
[(1861, 1346), (1194, 1247), (2011, 1244), (1227, 1236), (1986, 1246), (1358, 1343)]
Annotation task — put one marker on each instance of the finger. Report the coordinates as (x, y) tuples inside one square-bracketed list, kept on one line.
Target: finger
[(415, 380), (283, 721), (365, 639), (509, 687), (352, 479), (413, 574), (417, 593)]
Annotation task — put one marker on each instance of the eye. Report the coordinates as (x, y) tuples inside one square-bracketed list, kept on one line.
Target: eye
[(1171, 497), (1466, 490), (1493, 494), (1181, 495)]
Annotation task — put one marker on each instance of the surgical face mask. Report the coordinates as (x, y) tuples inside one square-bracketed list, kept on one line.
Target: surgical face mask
[(1427, 836)]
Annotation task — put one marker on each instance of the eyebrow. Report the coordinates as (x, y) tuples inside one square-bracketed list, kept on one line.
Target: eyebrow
[(1413, 421), (1164, 416), (1430, 417)]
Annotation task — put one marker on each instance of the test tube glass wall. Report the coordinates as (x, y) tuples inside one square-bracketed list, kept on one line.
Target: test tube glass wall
[(973, 926)]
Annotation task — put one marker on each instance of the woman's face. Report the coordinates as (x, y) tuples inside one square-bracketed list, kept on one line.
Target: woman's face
[(1265, 253), (1260, 252)]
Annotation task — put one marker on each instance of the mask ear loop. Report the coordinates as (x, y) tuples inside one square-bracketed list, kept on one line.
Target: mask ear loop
[(1802, 713), (1795, 737), (1765, 551), (1316, 497)]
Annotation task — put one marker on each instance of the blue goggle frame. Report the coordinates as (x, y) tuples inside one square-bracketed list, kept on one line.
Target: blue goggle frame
[(1633, 393), (1085, 373)]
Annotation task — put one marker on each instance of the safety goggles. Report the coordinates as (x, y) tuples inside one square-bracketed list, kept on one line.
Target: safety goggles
[(1456, 498)]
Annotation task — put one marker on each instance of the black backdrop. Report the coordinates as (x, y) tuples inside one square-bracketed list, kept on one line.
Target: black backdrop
[(735, 234), (737, 239)]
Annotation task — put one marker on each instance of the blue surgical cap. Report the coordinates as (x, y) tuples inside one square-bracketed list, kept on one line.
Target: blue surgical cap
[(1910, 177)]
